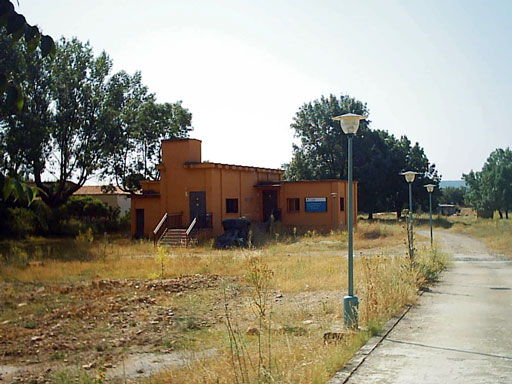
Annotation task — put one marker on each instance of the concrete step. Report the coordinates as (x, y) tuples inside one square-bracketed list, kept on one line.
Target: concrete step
[(176, 237)]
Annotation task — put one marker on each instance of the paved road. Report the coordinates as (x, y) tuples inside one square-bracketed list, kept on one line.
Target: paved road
[(461, 331)]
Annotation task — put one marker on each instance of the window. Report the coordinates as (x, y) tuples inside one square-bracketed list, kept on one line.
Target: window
[(293, 205), (231, 205), (342, 203)]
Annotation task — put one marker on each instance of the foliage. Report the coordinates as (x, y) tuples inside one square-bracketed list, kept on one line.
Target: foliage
[(161, 259), (78, 119), (137, 124), (452, 195), (83, 242), (90, 209), (491, 188), (429, 263), (21, 221), (14, 26), (13, 189), (378, 156)]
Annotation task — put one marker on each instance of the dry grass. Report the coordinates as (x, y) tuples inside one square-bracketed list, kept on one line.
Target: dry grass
[(384, 285), (294, 260), (496, 233), (310, 274)]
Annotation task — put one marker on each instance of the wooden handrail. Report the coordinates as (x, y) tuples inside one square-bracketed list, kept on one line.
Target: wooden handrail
[(191, 226), (157, 229)]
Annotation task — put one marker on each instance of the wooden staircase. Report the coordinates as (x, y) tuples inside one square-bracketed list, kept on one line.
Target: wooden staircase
[(177, 237)]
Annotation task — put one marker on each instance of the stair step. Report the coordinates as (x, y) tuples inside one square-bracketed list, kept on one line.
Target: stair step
[(177, 237)]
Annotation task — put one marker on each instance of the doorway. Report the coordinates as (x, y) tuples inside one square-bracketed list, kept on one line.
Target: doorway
[(197, 205), (139, 223), (270, 204)]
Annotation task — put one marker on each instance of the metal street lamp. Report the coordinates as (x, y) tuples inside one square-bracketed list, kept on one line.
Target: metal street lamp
[(409, 177), (350, 124), (430, 189)]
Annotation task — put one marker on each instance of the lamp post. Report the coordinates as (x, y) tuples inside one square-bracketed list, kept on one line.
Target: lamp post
[(409, 177), (430, 189), (350, 124)]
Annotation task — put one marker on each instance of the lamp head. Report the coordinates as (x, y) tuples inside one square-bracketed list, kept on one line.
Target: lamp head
[(430, 187), (409, 176), (349, 122)]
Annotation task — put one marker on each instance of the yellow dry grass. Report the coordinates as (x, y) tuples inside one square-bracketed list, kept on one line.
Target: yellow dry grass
[(309, 271), (294, 260), (496, 233)]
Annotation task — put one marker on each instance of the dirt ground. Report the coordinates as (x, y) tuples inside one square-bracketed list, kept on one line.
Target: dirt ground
[(103, 325)]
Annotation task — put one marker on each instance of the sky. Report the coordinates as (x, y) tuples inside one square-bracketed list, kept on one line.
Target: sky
[(437, 71)]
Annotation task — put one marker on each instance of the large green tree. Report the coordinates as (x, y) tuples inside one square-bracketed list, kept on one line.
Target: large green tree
[(491, 188), (79, 120), (378, 156), (137, 125)]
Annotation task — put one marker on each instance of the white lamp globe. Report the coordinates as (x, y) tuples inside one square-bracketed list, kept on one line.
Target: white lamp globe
[(349, 122), (430, 187), (409, 176)]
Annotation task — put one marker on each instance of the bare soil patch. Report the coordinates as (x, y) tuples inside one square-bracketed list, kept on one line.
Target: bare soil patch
[(99, 324)]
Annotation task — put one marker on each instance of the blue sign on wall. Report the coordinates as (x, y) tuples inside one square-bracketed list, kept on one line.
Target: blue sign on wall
[(316, 204)]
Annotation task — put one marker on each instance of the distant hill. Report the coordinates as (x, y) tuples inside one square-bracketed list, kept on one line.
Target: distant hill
[(452, 183)]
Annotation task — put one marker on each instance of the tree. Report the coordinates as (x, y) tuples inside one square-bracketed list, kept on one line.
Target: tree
[(78, 120), (378, 156), (452, 195), (491, 188), (138, 124), (14, 26)]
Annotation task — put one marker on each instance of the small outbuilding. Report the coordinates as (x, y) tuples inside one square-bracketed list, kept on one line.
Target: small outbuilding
[(115, 198), (447, 209)]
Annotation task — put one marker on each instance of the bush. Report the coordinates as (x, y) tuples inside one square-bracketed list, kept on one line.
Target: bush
[(22, 221), (71, 227), (45, 219)]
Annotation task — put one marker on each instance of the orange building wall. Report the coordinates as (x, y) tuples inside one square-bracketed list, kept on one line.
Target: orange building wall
[(152, 216), (182, 172), (332, 219)]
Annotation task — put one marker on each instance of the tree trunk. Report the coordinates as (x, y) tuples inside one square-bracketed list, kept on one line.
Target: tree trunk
[(370, 216), (506, 214), (398, 214), (501, 214)]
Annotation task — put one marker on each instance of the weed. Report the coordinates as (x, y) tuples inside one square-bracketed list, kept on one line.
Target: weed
[(56, 356), (161, 259), (17, 257), (83, 242)]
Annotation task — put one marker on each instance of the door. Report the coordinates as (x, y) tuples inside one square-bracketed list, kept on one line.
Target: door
[(197, 201), (139, 223), (270, 204)]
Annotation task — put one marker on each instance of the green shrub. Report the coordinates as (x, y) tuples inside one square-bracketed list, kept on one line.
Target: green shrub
[(45, 219), (71, 227), (22, 221)]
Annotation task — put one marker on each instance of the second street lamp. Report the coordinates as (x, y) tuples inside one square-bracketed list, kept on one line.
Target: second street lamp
[(409, 177), (350, 124), (430, 189)]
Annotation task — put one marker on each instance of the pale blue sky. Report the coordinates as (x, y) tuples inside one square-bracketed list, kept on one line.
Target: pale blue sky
[(436, 71)]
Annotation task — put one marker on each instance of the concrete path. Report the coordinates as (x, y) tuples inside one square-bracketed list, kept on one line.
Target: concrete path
[(460, 331)]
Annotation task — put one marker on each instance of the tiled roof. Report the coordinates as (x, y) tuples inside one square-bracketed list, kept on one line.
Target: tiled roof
[(98, 190)]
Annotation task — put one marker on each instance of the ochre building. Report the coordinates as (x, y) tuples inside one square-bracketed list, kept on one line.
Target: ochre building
[(212, 192)]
